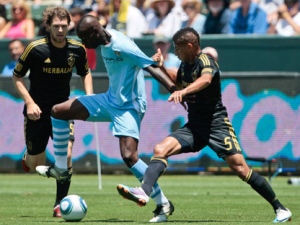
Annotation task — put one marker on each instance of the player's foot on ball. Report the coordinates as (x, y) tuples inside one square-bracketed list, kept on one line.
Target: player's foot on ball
[(282, 215), (134, 194), (24, 165), (52, 171), (162, 212), (56, 211)]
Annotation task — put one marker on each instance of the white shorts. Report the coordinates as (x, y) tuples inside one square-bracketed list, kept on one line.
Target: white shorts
[(126, 122)]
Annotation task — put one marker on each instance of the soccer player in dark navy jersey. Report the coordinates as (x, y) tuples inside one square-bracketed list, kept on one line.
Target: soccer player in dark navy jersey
[(208, 125), (50, 62)]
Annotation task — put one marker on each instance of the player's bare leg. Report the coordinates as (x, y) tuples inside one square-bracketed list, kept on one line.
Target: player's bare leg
[(30, 162)]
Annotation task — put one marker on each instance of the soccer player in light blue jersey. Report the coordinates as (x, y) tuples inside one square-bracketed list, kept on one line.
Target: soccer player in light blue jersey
[(124, 104)]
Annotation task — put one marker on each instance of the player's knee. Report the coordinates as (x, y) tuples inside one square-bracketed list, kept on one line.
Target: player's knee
[(129, 158), (240, 170), (159, 150)]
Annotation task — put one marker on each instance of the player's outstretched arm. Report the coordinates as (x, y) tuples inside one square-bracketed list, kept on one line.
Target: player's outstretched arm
[(161, 77)]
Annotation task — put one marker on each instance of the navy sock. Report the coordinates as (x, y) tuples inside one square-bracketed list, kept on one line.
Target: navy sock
[(262, 187), (62, 189), (155, 168)]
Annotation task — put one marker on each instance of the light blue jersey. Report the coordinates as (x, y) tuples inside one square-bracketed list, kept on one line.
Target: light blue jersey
[(124, 103), (124, 62)]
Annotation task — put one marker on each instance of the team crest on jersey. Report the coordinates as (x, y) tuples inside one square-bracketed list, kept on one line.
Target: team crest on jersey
[(117, 53), (18, 67), (71, 60), (194, 75)]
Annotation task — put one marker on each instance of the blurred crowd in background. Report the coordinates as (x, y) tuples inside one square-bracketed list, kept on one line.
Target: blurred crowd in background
[(136, 18), (23, 19)]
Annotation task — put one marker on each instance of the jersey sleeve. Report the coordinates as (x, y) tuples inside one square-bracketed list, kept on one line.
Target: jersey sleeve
[(25, 61), (208, 65), (139, 57), (82, 66)]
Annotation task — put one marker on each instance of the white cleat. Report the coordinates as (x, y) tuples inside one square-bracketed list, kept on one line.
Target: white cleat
[(282, 215), (162, 212), (51, 171)]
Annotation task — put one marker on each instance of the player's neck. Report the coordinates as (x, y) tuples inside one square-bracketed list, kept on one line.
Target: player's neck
[(58, 44)]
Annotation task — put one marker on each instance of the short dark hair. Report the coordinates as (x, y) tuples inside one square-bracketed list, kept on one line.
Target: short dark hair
[(187, 35)]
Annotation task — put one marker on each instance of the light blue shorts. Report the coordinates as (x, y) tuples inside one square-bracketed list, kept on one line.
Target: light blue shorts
[(125, 122)]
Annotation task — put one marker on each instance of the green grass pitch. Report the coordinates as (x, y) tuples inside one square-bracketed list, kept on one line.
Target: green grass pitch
[(205, 200)]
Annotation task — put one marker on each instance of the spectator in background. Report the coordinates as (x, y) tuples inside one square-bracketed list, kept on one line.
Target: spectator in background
[(21, 25), (86, 5), (76, 14), (15, 48), (163, 20), (171, 61), (288, 23), (126, 18), (248, 18), (3, 18), (269, 6), (101, 12), (211, 52), (218, 17), (143, 6), (192, 8)]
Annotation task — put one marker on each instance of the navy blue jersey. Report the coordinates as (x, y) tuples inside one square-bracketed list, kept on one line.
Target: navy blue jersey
[(51, 70), (207, 100)]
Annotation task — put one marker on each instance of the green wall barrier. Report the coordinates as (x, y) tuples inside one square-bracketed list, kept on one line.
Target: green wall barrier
[(236, 52)]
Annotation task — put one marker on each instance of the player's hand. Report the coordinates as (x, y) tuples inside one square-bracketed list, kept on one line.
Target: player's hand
[(33, 111), (182, 98), (177, 96), (158, 57)]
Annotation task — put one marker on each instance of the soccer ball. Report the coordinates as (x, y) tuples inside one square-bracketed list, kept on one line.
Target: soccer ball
[(73, 208)]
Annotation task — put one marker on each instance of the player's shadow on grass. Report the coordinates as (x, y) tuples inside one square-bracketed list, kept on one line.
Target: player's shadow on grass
[(197, 221), (105, 221)]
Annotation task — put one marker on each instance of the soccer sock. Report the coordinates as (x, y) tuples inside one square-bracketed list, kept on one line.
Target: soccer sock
[(139, 169), (62, 189), (156, 167), (262, 187), (61, 134)]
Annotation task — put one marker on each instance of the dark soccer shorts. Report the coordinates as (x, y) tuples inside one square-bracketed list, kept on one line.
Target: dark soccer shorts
[(37, 134), (219, 135)]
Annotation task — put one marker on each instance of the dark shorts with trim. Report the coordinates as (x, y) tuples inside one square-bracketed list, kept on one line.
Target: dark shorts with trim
[(37, 134), (218, 134)]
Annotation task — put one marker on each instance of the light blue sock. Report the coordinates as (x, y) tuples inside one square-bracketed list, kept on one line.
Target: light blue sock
[(157, 195), (61, 135)]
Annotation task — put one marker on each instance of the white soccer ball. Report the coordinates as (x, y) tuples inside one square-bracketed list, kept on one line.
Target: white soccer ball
[(73, 208)]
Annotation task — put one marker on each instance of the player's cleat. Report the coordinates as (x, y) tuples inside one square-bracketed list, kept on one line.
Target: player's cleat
[(24, 166), (134, 194), (50, 171), (162, 212), (56, 211), (282, 215)]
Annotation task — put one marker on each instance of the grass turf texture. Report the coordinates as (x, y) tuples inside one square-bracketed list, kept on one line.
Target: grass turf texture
[(206, 200)]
